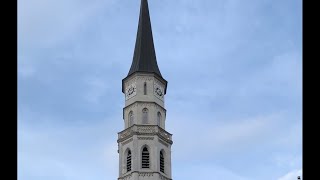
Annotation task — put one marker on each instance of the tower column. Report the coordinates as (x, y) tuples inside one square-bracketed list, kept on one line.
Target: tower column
[(144, 144)]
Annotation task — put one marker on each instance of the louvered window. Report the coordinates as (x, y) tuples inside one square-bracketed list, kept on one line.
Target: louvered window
[(145, 158), (161, 162), (129, 161)]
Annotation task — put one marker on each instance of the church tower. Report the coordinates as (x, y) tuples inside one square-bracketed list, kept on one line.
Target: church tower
[(144, 146)]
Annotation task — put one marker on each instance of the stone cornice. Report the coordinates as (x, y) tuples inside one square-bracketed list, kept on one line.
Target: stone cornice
[(162, 142), (136, 103), (145, 130), (128, 176), (125, 177), (126, 142)]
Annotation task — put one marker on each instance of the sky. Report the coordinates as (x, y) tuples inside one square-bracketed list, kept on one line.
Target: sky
[(234, 96)]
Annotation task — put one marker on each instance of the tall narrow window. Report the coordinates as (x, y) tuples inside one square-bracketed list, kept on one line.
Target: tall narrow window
[(130, 118), (129, 161), (145, 116), (145, 88), (161, 162), (159, 118), (145, 158)]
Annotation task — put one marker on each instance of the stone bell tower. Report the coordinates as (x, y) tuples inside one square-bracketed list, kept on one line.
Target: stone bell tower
[(144, 146)]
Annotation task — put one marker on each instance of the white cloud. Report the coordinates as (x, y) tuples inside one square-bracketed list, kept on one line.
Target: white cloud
[(79, 151), (205, 171), (219, 137), (280, 76), (97, 87), (292, 137), (43, 24), (288, 160), (46, 22), (292, 175)]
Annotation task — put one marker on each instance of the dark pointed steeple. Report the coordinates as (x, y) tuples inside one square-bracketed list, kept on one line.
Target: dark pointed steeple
[(144, 58)]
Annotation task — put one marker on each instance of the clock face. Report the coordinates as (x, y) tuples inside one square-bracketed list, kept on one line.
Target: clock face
[(158, 91), (131, 91)]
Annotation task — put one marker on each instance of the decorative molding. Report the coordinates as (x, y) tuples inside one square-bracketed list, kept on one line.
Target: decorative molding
[(162, 142), (164, 134), (126, 142), (159, 82), (130, 81), (145, 130), (169, 141), (163, 177), (125, 177), (143, 174), (145, 138), (145, 104), (126, 133), (145, 78)]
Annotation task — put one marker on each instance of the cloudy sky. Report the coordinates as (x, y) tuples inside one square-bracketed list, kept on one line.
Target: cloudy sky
[(234, 97)]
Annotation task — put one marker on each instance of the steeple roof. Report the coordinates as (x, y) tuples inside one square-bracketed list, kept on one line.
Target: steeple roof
[(144, 58)]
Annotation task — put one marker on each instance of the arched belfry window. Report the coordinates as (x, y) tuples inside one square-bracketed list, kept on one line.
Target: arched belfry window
[(145, 158), (145, 88), (145, 116), (158, 118), (129, 161), (130, 118), (161, 162)]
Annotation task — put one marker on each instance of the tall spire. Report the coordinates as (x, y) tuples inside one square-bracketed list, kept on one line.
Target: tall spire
[(144, 58)]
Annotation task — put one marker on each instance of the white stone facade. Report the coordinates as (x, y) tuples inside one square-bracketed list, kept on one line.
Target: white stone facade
[(144, 126)]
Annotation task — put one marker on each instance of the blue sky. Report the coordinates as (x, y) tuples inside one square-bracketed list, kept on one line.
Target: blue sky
[(234, 97)]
